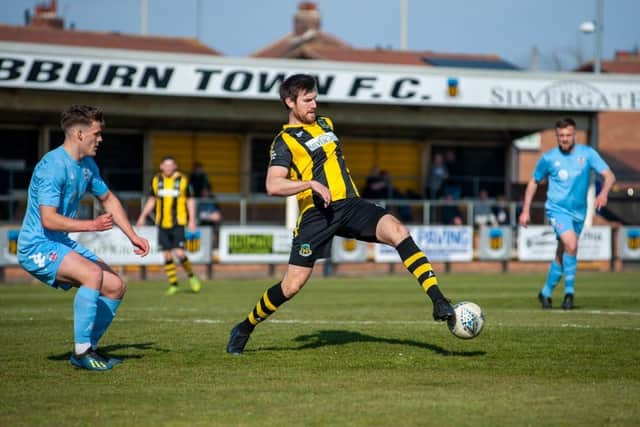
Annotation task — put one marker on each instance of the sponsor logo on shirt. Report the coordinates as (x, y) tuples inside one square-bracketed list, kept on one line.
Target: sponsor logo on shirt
[(320, 140), (168, 192)]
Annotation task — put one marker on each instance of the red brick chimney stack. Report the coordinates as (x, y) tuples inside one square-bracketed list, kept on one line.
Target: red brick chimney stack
[(307, 18), (46, 16)]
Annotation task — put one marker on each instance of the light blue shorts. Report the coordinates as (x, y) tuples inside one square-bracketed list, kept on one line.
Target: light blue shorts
[(562, 223), (42, 260)]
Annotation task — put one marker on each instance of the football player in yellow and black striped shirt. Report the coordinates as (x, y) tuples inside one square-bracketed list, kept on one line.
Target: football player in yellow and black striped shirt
[(172, 197), (306, 160)]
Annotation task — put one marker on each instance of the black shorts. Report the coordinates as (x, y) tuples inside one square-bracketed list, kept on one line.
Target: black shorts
[(171, 238), (353, 218)]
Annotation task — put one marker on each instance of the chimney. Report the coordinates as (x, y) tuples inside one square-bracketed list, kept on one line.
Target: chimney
[(45, 16), (307, 18)]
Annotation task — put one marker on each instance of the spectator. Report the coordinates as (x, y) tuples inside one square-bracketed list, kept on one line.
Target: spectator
[(438, 174), (451, 214), (208, 210), (209, 214), (377, 185), (500, 211), (453, 184), (199, 180), (482, 210)]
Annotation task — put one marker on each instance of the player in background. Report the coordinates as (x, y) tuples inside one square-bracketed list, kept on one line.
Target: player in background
[(175, 207), (59, 181), (567, 168), (306, 160)]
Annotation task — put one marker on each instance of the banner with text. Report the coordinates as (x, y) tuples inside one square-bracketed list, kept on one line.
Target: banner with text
[(439, 243), (38, 67), (538, 243), (113, 247), (256, 244)]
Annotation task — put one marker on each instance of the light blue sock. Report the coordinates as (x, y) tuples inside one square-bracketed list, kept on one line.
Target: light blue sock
[(553, 277), (84, 314), (569, 265), (105, 313)]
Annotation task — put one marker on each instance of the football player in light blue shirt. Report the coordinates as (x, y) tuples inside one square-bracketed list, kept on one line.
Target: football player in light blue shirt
[(59, 181), (567, 168)]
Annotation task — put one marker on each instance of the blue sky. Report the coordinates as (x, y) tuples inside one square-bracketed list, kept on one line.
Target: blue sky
[(509, 28)]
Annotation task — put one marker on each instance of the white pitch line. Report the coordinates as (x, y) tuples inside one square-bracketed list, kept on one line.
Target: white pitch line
[(573, 312), (367, 322), (397, 322)]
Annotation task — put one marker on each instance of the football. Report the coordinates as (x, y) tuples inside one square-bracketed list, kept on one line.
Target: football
[(468, 322)]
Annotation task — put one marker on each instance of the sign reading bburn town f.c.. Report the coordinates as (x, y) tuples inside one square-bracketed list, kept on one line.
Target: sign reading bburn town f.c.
[(217, 77)]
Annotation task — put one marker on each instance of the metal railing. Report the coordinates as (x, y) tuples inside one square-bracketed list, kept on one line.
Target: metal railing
[(265, 210)]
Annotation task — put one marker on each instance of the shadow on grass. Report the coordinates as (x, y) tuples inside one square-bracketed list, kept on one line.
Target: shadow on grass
[(112, 350), (338, 337)]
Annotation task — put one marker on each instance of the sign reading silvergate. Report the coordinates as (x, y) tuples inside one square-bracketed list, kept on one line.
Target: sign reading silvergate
[(216, 77)]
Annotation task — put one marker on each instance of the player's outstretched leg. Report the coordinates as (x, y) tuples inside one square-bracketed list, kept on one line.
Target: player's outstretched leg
[(553, 277), (417, 263), (265, 307)]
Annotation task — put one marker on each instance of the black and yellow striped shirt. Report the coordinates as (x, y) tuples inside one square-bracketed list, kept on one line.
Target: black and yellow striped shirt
[(171, 194), (313, 152)]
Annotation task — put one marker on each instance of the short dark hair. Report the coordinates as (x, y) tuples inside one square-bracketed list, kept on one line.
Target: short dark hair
[(80, 115), (291, 87), (565, 123)]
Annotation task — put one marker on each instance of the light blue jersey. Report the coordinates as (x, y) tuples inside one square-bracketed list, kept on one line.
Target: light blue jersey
[(568, 177), (60, 181)]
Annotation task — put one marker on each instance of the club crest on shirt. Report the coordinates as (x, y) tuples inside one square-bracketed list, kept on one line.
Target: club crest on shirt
[(85, 174), (581, 160), (305, 250), (53, 255)]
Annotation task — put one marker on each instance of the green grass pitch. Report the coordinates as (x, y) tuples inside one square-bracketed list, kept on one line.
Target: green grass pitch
[(344, 352)]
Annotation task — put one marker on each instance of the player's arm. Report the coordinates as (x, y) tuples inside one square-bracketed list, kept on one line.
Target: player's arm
[(540, 174), (52, 220), (112, 206), (525, 215), (146, 210), (603, 196), (191, 210), (279, 184)]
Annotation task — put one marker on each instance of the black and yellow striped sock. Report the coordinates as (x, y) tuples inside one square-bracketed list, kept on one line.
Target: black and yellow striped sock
[(417, 263), (268, 304), (170, 269), (186, 264)]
